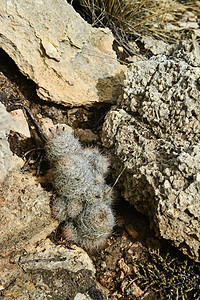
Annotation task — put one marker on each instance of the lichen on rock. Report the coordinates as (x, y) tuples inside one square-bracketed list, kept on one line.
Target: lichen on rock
[(155, 131)]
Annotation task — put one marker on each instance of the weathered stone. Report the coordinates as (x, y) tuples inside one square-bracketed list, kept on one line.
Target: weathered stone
[(154, 45), (155, 132), (8, 122), (46, 255), (45, 270), (25, 212), (86, 135), (70, 62)]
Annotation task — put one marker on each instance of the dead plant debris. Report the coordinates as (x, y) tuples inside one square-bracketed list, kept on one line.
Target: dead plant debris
[(167, 20)]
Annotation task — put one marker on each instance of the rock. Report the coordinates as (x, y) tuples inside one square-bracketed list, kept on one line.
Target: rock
[(86, 135), (153, 45), (8, 161), (24, 205), (46, 255), (70, 62), (19, 123), (123, 266), (77, 117), (154, 132), (135, 290), (25, 212), (80, 296), (45, 270)]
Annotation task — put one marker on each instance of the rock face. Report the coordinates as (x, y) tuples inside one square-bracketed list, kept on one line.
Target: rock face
[(70, 62), (155, 132)]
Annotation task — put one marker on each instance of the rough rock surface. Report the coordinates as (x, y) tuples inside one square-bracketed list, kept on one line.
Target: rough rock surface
[(25, 212), (70, 62), (47, 271), (155, 132), (7, 160)]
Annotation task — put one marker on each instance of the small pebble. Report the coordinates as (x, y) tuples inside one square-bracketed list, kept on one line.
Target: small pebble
[(121, 275), (123, 266)]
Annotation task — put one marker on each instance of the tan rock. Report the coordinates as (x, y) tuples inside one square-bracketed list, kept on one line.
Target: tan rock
[(8, 161), (86, 135), (70, 62), (24, 212), (46, 255), (46, 270), (19, 122)]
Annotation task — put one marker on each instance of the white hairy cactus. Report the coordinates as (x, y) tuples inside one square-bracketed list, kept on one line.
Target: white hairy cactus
[(84, 199)]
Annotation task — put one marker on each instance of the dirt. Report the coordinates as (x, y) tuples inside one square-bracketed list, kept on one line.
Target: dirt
[(117, 263)]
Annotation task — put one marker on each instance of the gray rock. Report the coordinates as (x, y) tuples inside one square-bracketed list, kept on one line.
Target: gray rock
[(155, 132), (25, 212), (47, 271), (70, 62), (80, 296), (8, 161)]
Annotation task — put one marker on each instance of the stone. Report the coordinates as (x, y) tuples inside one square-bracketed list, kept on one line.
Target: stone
[(24, 205), (154, 45), (25, 212), (71, 62), (19, 122), (154, 132), (86, 135), (131, 231), (44, 270), (8, 161), (80, 296)]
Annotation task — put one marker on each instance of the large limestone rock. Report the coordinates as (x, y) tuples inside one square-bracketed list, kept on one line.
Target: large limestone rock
[(70, 62), (155, 133)]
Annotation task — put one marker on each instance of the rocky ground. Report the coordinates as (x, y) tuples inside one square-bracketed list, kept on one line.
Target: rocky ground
[(134, 262)]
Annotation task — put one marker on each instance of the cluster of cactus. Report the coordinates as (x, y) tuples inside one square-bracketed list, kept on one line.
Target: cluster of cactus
[(83, 199)]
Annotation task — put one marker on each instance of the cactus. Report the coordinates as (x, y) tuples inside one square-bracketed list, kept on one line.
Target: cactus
[(99, 163), (58, 209), (60, 144), (93, 226), (74, 206), (70, 232), (84, 199), (96, 221), (72, 175)]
